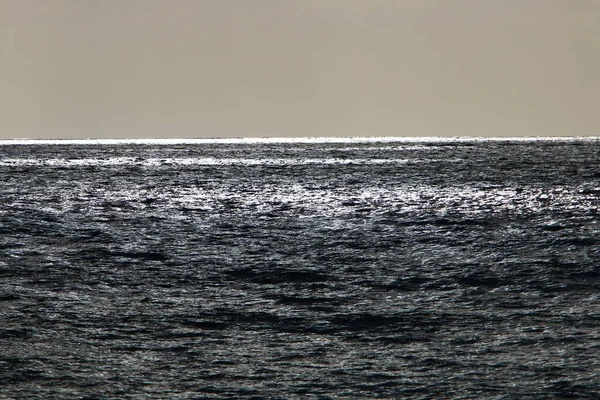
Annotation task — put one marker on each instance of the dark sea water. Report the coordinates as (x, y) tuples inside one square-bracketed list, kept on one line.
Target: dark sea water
[(353, 269)]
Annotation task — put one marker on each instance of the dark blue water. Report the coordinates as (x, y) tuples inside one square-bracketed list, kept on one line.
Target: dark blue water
[(441, 269)]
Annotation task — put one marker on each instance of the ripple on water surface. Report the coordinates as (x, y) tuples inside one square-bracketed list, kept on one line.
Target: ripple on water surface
[(340, 269)]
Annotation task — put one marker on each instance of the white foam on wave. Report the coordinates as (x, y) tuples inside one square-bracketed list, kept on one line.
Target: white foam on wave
[(277, 140)]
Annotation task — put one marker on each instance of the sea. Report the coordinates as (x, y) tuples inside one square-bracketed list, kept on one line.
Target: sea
[(340, 268)]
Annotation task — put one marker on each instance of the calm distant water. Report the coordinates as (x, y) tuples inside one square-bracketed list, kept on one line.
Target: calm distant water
[(353, 269)]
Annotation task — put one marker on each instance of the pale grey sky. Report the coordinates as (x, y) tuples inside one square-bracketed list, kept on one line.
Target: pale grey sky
[(235, 68)]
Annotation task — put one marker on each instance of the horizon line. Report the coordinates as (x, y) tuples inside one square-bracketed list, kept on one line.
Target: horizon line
[(308, 139)]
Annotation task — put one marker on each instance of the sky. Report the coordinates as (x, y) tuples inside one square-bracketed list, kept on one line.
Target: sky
[(281, 68)]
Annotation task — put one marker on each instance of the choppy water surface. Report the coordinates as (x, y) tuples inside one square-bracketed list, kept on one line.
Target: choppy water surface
[(455, 269)]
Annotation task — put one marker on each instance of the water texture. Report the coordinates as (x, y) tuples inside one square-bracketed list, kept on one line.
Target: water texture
[(352, 269)]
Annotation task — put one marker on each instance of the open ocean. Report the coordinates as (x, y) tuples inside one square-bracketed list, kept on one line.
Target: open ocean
[(323, 269)]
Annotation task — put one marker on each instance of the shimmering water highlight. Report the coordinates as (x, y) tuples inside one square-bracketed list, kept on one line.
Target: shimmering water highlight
[(312, 269)]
